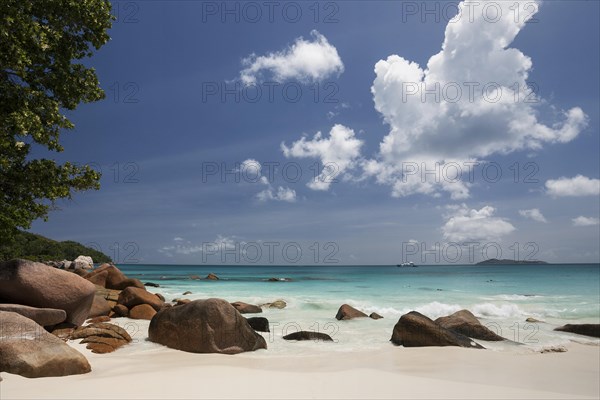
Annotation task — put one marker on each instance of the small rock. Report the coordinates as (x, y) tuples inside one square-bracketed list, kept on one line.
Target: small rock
[(186, 293), (374, 315), (245, 308), (532, 320), (592, 330), (142, 311), (280, 304), (308, 335), (120, 310), (83, 262), (212, 277), (195, 277), (132, 296), (151, 284), (180, 302), (348, 312), (63, 331), (553, 349)]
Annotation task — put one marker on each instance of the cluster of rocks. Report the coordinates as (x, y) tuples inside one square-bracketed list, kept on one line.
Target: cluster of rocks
[(209, 277), (120, 296), (41, 307), (35, 298), (346, 312), (80, 263)]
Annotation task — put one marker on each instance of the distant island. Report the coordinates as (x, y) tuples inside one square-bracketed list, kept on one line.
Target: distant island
[(39, 248), (505, 261)]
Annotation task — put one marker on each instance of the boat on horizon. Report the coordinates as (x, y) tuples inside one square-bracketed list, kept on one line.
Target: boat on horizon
[(407, 264)]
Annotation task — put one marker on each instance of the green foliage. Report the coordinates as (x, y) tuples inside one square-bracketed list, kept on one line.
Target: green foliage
[(39, 248), (39, 81)]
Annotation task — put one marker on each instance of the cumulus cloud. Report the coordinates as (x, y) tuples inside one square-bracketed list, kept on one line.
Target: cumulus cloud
[(469, 102), (585, 221), (534, 214), (252, 172), (281, 194), (469, 225), (578, 186), (310, 60), (185, 247), (338, 152)]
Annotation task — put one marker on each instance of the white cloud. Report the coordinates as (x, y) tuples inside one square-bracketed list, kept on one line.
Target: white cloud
[(188, 248), (281, 194), (534, 214), (178, 239), (252, 172), (578, 186), (305, 60), (465, 122), (585, 221), (337, 153), (467, 225)]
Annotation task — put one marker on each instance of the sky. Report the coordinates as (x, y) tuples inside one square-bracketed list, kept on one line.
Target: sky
[(342, 132)]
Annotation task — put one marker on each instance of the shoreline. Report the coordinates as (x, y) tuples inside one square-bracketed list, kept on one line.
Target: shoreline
[(397, 372)]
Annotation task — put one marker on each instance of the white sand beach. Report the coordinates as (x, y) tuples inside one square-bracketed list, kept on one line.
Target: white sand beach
[(396, 372)]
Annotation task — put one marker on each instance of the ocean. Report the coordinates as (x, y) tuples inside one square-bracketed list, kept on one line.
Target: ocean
[(501, 296)]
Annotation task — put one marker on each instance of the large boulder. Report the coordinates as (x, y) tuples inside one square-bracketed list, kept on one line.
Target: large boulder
[(464, 322), (205, 326), (100, 306), (132, 296), (110, 277), (581, 329), (27, 349), (42, 316), (83, 262), (38, 285), (416, 330), (349, 312), (245, 308)]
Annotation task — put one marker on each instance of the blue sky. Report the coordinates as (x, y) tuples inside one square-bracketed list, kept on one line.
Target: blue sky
[(182, 106)]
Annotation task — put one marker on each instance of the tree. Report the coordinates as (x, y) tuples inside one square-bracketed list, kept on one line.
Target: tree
[(40, 42)]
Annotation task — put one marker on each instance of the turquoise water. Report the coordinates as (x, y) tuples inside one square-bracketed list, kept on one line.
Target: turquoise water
[(501, 296)]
